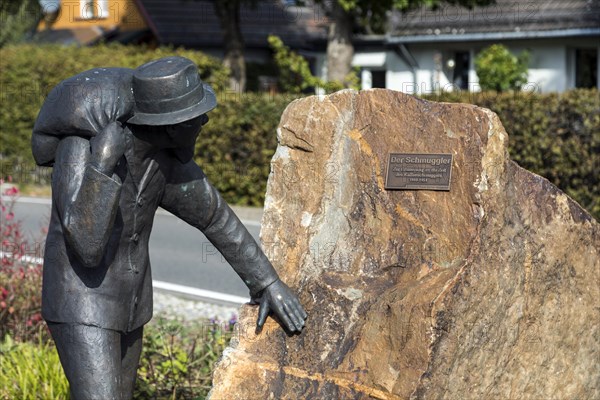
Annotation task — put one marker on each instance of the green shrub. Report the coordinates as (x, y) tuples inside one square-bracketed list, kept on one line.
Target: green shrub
[(29, 72), (294, 72), (236, 146), (498, 69), (20, 279), (31, 370), (178, 358), (554, 135), (19, 19), (177, 362)]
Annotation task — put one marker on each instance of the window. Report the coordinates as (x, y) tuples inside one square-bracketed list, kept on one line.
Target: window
[(370, 78), (586, 68), (378, 79), (460, 76), (93, 9)]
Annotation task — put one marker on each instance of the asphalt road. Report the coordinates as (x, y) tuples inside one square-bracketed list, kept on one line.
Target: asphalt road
[(179, 253)]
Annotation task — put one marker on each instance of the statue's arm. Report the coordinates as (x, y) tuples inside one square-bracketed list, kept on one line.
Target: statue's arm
[(190, 196), (86, 196)]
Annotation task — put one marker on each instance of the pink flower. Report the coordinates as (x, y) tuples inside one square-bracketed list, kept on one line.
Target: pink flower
[(10, 216), (12, 191)]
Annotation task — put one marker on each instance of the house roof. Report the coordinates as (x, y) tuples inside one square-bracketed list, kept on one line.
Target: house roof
[(79, 36), (503, 20), (194, 23), (90, 35)]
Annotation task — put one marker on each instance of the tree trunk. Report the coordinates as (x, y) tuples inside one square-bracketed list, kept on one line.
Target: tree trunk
[(339, 44), (228, 12)]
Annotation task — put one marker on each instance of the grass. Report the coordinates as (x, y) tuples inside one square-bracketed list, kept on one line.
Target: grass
[(31, 370), (176, 363)]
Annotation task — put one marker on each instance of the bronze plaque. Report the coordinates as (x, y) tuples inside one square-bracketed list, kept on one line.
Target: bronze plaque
[(418, 171)]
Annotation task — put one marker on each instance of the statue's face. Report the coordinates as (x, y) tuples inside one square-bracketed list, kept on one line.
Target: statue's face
[(177, 136), (184, 134)]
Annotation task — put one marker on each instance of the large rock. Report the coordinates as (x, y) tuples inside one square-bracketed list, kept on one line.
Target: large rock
[(488, 291)]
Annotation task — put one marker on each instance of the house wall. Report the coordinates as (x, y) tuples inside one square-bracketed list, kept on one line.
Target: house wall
[(547, 65), (551, 62), (399, 75), (427, 77), (551, 65), (102, 13)]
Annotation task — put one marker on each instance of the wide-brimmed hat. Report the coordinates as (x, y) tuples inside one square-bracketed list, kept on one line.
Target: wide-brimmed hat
[(169, 91)]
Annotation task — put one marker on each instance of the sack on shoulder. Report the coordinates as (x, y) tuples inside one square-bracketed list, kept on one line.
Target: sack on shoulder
[(81, 106)]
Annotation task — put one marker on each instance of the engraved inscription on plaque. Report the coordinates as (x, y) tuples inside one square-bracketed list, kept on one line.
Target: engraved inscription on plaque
[(418, 171)]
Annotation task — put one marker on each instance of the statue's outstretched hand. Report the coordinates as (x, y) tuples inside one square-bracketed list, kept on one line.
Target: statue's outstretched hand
[(278, 297)]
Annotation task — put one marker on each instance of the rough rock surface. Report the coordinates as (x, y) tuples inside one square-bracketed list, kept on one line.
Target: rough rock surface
[(488, 291)]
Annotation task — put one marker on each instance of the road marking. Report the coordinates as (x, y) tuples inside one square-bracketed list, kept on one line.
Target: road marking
[(24, 258), (196, 293), (160, 211), (30, 200), (202, 294)]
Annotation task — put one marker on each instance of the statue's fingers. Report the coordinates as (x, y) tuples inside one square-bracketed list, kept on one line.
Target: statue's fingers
[(263, 312), (294, 309), (283, 316), (300, 309), (289, 309), (301, 317)]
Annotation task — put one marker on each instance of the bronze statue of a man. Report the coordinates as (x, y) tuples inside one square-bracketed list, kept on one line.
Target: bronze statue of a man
[(121, 143)]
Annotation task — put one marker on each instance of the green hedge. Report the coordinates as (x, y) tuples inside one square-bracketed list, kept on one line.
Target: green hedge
[(29, 72), (554, 135), (236, 146)]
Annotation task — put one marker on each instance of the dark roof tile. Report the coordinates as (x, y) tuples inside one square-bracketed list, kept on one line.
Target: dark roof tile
[(503, 16), (195, 24)]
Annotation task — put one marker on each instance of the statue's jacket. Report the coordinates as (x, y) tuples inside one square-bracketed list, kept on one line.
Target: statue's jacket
[(96, 262)]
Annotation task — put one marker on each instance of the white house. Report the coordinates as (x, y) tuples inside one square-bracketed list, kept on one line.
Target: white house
[(429, 51), (426, 51)]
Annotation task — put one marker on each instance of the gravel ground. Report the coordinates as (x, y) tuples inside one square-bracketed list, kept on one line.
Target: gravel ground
[(170, 305)]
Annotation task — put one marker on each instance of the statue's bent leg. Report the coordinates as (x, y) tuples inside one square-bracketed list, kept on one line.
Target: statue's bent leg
[(91, 359)]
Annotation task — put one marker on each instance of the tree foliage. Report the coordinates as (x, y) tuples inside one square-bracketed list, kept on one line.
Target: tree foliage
[(294, 72), (349, 16), (18, 18), (372, 15), (498, 69)]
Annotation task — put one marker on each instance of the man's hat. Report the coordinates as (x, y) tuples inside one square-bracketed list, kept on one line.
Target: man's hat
[(169, 91)]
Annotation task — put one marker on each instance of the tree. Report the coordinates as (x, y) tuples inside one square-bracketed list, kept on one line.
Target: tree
[(371, 16), (294, 71), (228, 12), (500, 70), (19, 18)]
